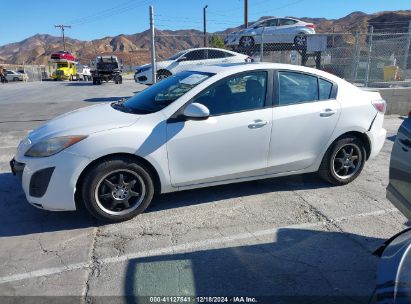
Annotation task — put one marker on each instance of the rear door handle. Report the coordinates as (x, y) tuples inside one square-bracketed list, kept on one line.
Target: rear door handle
[(327, 112), (258, 123)]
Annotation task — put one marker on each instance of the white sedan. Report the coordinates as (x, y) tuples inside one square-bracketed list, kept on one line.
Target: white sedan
[(210, 126), (273, 30), (187, 60)]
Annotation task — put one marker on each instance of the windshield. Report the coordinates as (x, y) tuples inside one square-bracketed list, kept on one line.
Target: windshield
[(61, 65), (175, 56), (163, 93)]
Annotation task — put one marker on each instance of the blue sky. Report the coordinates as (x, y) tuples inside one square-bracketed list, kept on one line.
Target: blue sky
[(91, 19)]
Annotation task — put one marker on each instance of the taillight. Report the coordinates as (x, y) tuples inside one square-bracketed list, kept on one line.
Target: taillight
[(379, 105), (310, 25), (409, 114)]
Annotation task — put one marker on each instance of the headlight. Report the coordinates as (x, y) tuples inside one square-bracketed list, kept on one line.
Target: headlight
[(142, 69), (53, 145)]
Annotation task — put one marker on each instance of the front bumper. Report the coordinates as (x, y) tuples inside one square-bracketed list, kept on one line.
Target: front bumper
[(144, 77), (50, 182)]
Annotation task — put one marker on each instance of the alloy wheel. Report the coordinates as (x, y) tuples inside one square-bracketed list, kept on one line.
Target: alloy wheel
[(120, 192), (347, 161), (300, 40)]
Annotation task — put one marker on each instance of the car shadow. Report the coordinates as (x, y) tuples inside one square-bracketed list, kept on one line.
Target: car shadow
[(298, 266), (80, 84), (106, 99), (18, 217), (243, 189)]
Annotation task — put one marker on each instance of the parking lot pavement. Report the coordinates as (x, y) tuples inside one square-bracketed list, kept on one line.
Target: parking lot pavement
[(291, 236)]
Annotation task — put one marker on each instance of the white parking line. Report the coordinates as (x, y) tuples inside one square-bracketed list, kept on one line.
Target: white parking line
[(178, 249), (8, 147)]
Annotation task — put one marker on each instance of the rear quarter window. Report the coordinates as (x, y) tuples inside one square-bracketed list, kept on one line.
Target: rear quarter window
[(325, 88)]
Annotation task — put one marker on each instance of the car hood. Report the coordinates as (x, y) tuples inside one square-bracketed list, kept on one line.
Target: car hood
[(84, 121)]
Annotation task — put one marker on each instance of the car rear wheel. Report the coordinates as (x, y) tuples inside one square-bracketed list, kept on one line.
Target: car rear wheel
[(117, 190), (16, 79), (247, 42), (343, 161)]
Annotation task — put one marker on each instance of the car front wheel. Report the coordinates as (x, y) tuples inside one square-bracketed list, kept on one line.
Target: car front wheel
[(343, 161), (117, 190)]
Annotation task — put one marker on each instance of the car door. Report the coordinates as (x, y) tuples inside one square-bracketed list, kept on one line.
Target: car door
[(286, 30), (233, 142), (9, 75), (399, 188), (269, 31), (304, 118)]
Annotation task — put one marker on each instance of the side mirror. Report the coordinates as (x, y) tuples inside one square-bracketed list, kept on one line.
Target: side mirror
[(182, 59), (196, 111)]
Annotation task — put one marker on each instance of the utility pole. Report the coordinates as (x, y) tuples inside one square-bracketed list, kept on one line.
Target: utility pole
[(245, 13), (62, 26), (205, 24), (153, 46)]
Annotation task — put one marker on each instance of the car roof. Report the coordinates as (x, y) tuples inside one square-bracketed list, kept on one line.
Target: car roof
[(209, 48), (242, 67), (291, 18)]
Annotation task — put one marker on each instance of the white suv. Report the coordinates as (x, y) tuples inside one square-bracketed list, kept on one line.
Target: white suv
[(273, 30), (186, 60)]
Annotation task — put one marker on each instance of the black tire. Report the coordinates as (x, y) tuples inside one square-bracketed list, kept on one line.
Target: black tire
[(16, 79), (94, 183), (94, 81), (247, 42), (300, 39), (163, 74), (333, 168)]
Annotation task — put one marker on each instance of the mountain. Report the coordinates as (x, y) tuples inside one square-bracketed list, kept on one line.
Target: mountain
[(134, 49)]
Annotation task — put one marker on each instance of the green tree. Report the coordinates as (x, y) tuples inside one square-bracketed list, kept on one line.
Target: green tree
[(217, 42)]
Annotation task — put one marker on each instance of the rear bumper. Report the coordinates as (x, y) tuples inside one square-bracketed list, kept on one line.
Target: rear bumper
[(377, 135), (399, 201)]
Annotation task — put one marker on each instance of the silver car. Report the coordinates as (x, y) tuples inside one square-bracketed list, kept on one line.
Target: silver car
[(273, 30), (14, 76)]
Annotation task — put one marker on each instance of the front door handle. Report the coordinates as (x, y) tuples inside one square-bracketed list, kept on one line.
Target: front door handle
[(327, 112), (258, 123)]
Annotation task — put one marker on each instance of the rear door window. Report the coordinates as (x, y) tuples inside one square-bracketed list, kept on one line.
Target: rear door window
[(297, 88), (196, 55)]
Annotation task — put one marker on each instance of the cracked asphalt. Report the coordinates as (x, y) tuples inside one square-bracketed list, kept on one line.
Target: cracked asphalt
[(288, 237)]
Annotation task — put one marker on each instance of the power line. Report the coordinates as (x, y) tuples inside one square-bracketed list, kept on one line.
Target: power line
[(116, 10)]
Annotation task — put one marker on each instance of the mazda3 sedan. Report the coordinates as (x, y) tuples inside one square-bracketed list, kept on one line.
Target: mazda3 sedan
[(209, 126)]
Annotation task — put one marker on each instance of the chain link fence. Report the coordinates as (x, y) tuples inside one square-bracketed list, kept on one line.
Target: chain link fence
[(366, 59)]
